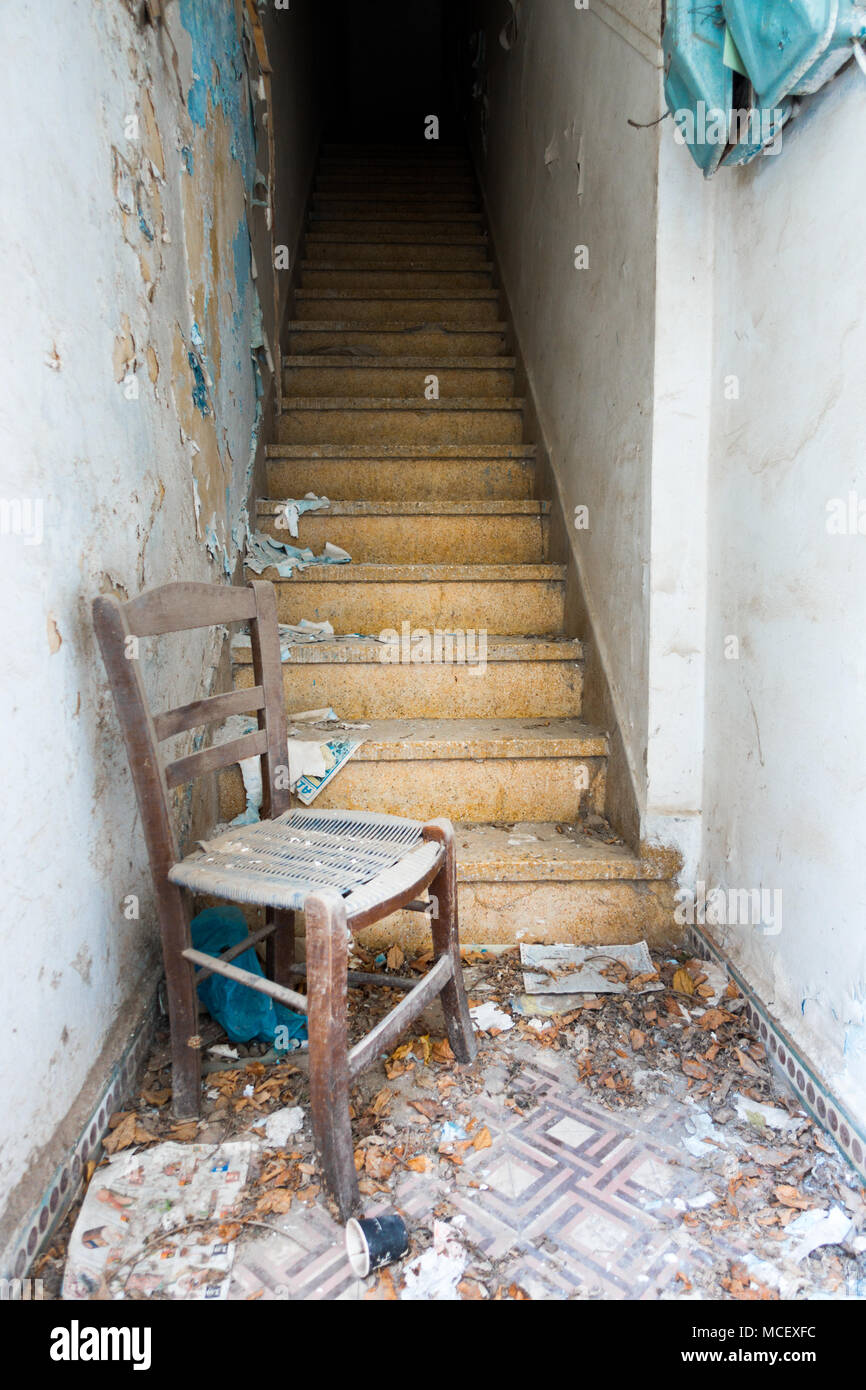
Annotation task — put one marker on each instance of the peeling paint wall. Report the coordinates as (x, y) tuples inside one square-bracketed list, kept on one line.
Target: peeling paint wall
[(132, 406)]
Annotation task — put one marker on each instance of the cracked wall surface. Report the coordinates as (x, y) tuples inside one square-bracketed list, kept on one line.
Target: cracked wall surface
[(133, 404)]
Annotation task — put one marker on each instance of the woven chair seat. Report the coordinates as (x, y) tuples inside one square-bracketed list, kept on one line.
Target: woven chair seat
[(364, 857)]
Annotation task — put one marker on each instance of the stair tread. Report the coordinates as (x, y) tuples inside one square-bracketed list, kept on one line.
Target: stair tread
[(415, 267), (402, 362), (395, 239), (413, 403), (401, 451), (389, 326), (349, 295), (361, 652), (410, 740), (425, 574), (484, 853), (497, 507)]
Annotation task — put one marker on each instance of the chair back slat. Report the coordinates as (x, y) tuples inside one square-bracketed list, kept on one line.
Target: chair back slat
[(182, 607), (208, 711), (211, 759)]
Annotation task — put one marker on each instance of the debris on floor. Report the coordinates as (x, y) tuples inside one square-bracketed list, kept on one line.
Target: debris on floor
[(301, 634), (264, 553), (292, 510), (637, 1146), (158, 1222), (588, 969), (313, 763)]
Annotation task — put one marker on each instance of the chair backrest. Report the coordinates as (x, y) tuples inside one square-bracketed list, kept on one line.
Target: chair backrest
[(182, 608)]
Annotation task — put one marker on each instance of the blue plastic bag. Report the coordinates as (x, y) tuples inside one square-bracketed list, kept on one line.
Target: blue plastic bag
[(246, 1015)]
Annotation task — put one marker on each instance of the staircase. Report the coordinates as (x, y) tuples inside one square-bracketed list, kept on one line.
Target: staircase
[(436, 501)]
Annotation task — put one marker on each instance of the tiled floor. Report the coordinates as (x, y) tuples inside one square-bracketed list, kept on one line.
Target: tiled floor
[(569, 1201), (615, 1152)]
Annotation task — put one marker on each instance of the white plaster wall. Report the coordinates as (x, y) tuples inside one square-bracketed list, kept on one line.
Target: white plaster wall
[(564, 168), (785, 729), (86, 297)]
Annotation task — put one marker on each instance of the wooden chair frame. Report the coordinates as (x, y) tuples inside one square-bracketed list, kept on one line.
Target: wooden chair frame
[(185, 607)]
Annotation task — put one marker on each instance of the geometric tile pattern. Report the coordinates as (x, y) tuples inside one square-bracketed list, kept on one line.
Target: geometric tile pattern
[(568, 1201)]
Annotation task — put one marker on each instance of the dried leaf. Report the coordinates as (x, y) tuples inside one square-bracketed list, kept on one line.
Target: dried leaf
[(747, 1064), (158, 1097), (442, 1053), (482, 1140), (637, 1039), (790, 1197), (278, 1202), (394, 958), (421, 1164), (694, 1069), (122, 1136), (683, 982), (381, 1101)]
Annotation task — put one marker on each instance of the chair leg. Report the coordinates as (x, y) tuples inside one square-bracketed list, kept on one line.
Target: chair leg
[(327, 961), (182, 1007), (446, 941), (280, 949)]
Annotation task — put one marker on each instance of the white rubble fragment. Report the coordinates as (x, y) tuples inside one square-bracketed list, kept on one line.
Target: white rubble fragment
[(487, 1016), (812, 1229), (280, 1126), (762, 1116), (434, 1276)]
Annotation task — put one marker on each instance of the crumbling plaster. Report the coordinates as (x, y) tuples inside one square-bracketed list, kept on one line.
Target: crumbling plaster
[(131, 412)]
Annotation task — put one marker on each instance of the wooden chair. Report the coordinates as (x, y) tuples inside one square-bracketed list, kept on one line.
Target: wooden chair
[(343, 869)]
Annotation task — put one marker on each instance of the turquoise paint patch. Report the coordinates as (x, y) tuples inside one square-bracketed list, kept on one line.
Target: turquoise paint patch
[(199, 390)]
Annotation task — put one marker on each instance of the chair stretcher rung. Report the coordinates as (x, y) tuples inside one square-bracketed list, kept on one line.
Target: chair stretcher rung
[(361, 979), (239, 949), (245, 977), (394, 1023)]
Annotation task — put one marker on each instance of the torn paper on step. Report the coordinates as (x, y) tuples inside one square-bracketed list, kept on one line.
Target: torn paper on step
[(302, 634), (264, 552), (292, 510), (133, 1236), (334, 755), (587, 969)]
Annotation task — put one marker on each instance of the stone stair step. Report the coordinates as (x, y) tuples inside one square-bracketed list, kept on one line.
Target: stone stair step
[(421, 149), (396, 165), (519, 679), (401, 184), (428, 532), (408, 280), (496, 770), (524, 599), (393, 306), (369, 472), (360, 341), (433, 229), (567, 888), (394, 200), (441, 252), (411, 533), (369, 420), (416, 211), (398, 377)]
